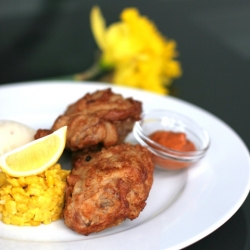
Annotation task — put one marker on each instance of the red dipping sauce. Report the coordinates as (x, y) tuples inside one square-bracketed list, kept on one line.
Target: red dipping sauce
[(173, 140)]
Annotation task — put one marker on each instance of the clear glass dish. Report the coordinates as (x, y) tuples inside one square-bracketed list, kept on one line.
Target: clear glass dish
[(166, 120)]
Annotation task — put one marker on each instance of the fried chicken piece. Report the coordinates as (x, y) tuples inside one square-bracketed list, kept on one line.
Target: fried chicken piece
[(102, 117), (107, 187)]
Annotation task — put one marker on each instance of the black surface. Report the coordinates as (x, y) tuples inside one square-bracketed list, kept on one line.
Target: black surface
[(45, 39)]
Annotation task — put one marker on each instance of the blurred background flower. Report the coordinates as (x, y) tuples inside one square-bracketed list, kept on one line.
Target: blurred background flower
[(134, 52)]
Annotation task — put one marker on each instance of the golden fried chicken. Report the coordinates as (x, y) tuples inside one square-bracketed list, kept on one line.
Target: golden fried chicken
[(107, 187), (102, 117)]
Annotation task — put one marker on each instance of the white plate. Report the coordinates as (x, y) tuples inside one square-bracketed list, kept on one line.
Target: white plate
[(183, 207)]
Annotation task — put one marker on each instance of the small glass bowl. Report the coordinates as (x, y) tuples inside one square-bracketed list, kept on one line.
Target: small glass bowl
[(167, 120)]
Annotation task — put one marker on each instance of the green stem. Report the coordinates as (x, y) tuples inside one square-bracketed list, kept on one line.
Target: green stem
[(89, 74)]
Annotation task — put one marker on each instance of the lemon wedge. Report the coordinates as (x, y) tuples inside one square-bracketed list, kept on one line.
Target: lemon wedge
[(34, 157)]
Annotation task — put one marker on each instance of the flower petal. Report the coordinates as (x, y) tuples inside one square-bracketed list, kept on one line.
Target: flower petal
[(98, 27)]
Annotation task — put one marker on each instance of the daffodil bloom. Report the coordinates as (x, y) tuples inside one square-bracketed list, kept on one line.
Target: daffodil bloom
[(136, 51)]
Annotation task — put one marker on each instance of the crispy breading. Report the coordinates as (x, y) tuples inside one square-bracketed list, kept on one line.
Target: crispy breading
[(107, 187), (102, 117)]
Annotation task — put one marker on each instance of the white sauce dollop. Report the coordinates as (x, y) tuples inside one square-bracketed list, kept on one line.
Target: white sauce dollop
[(13, 135)]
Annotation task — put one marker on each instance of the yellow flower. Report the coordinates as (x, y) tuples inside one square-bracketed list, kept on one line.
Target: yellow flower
[(140, 56)]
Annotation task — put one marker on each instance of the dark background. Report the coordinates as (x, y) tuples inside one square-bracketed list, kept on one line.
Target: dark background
[(44, 39)]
